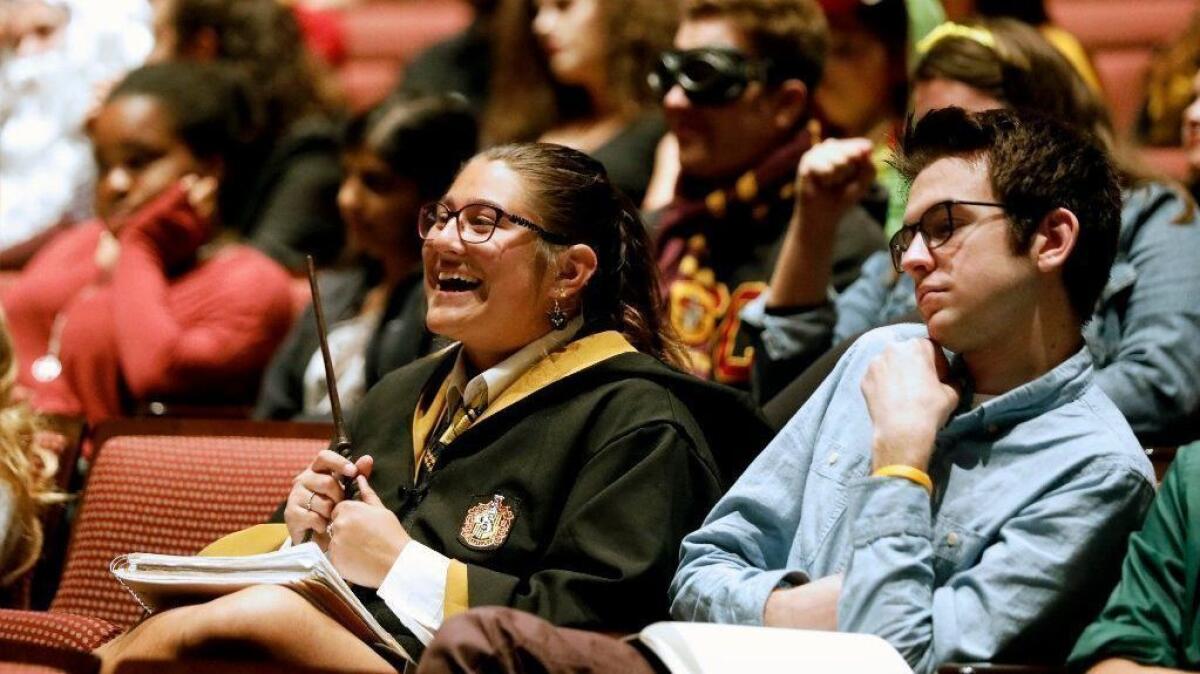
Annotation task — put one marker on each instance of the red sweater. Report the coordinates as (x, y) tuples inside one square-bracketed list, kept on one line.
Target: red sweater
[(207, 331)]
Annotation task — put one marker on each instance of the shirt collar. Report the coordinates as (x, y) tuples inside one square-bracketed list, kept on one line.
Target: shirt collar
[(1062, 384), (489, 384)]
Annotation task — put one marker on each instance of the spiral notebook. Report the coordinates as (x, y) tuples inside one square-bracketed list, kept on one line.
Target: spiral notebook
[(159, 582)]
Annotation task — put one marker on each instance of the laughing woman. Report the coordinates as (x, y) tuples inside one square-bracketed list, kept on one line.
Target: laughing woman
[(549, 461)]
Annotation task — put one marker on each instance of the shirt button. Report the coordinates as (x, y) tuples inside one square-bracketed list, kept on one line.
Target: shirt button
[(952, 539), (833, 457)]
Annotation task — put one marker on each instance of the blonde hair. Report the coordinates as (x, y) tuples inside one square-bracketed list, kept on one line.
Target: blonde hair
[(26, 470)]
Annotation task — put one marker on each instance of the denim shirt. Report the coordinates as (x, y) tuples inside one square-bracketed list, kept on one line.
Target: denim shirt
[(1035, 493), (1144, 337)]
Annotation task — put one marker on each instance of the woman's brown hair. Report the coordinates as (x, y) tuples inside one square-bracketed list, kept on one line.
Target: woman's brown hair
[(1023, 70), (26, 472), (261, 40), (525, 101), (574, 197)]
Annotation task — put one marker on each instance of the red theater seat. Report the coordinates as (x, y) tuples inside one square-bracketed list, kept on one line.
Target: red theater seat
[(173, 492), (380, 37), (1121, 37)]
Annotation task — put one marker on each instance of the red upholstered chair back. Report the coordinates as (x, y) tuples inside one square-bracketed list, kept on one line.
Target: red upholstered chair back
[(169, 494), (381, 36), (1121, 37)]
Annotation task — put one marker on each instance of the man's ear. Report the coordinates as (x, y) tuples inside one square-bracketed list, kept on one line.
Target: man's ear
[(1055, 239), (791, 104), (574, 269)]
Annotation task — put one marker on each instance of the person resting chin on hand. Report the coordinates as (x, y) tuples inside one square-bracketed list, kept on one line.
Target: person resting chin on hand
[(152, 299)]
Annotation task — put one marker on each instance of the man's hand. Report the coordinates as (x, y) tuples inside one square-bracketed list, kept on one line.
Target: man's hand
[(812, 606), (833, 176), (316, 491), (908, 401), (365, 539)]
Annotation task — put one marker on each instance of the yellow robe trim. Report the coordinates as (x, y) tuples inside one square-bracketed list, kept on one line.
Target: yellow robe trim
[(574, 357), (256, 540), (456, 598), (424, 419)]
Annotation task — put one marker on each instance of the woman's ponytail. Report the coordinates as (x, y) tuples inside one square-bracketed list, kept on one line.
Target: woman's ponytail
[(638, 292)]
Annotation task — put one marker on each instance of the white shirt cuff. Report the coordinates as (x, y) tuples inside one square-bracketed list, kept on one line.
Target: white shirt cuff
[(415, 589)]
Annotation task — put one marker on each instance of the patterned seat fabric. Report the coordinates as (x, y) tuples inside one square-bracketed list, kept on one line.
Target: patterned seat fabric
[(59, 630), (166, 494)]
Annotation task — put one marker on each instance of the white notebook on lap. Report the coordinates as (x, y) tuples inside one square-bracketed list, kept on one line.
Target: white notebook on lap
[(705, 648)]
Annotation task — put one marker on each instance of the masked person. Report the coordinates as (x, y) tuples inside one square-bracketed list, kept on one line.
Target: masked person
[(737, 92)]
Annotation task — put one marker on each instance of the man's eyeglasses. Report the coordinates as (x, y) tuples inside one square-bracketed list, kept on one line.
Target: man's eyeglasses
[(476, 222), (709, 76), (936, 226)]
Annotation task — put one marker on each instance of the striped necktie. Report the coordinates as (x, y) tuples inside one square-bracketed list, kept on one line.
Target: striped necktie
[(461, 419)]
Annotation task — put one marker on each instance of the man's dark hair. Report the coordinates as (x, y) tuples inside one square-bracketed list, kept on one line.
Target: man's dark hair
[(793, 34), (1035, 165)]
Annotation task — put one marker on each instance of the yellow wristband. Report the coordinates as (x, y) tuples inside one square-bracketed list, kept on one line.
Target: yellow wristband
[(907, 472)]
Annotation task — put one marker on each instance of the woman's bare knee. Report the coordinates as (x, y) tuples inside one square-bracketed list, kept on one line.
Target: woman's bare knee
[(264, 614), (273, 622), (266, 622)]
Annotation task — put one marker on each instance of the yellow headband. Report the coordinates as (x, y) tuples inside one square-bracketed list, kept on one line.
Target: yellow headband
[(950, 29)]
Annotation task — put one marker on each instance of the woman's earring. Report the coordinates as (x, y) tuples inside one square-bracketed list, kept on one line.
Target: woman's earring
[(558, 317)]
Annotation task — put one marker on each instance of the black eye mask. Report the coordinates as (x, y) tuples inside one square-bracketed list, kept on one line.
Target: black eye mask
[(709, 76)]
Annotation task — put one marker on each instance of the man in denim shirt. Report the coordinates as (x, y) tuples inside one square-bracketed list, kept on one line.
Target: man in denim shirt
[(981, 512), (964, 509)]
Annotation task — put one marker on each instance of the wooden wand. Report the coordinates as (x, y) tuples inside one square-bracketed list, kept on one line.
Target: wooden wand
[(341, 442)]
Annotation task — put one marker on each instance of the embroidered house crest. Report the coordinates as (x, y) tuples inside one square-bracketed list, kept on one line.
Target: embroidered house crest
[(487, 524)]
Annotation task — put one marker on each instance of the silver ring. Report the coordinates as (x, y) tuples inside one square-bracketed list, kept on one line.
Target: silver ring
[(308, 503), (329, 530)]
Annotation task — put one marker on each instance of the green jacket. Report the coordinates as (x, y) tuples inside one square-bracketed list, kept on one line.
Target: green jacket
[(1151, 617)]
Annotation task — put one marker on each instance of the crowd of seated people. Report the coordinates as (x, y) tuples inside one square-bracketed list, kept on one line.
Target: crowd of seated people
[(824, 315), (1145, 328)]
